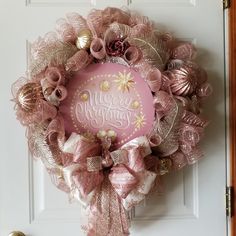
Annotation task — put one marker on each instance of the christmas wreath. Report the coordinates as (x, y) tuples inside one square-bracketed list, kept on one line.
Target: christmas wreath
[(110, 104)]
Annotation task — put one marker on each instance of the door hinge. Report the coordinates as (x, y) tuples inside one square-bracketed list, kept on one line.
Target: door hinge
[(226, 4), (229, 197)]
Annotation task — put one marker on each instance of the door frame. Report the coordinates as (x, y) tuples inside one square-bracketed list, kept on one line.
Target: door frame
[(232, 106)]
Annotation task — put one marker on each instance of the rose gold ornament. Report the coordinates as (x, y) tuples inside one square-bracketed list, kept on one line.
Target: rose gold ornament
[(184, 81), (28, 96), (84, 39)]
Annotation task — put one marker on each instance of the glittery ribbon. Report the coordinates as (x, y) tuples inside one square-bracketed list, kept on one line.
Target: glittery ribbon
[(107, 215), (98, 49), (78, 61), (120, 187), (53, 87)]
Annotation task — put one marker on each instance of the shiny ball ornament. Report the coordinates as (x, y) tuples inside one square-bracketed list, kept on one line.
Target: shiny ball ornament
[(183, 81), (84, 39), (16, 233), (101, 134), (28, 96), (111, 134)]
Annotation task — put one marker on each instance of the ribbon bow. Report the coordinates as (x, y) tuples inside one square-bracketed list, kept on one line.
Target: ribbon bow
[(128, 175), (110, 183)]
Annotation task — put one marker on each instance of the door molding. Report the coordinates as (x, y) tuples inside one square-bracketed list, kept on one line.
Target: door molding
[(232, 106)]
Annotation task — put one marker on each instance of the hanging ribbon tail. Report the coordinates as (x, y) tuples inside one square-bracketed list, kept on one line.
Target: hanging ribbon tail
[(107, 215)]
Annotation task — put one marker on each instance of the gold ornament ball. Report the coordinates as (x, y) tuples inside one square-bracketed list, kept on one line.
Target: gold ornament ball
[(16, 233), (28, 95), (101, 133), (111, 134), (84, 39)]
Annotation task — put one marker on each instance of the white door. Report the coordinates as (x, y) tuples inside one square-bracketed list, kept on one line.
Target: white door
[(193, 202)]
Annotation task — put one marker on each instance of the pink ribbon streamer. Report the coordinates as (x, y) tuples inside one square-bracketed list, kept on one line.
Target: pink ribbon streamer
[(132, 55), (97, 48), (55, 76), (154, 80), (53, 87)]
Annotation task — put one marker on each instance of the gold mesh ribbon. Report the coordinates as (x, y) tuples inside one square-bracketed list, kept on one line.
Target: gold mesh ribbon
[(108, 217)]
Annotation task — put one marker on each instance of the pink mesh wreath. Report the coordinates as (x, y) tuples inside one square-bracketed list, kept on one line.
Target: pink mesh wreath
[(110, 180)]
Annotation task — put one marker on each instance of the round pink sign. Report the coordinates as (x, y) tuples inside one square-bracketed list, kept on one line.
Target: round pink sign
[(108, 97)]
